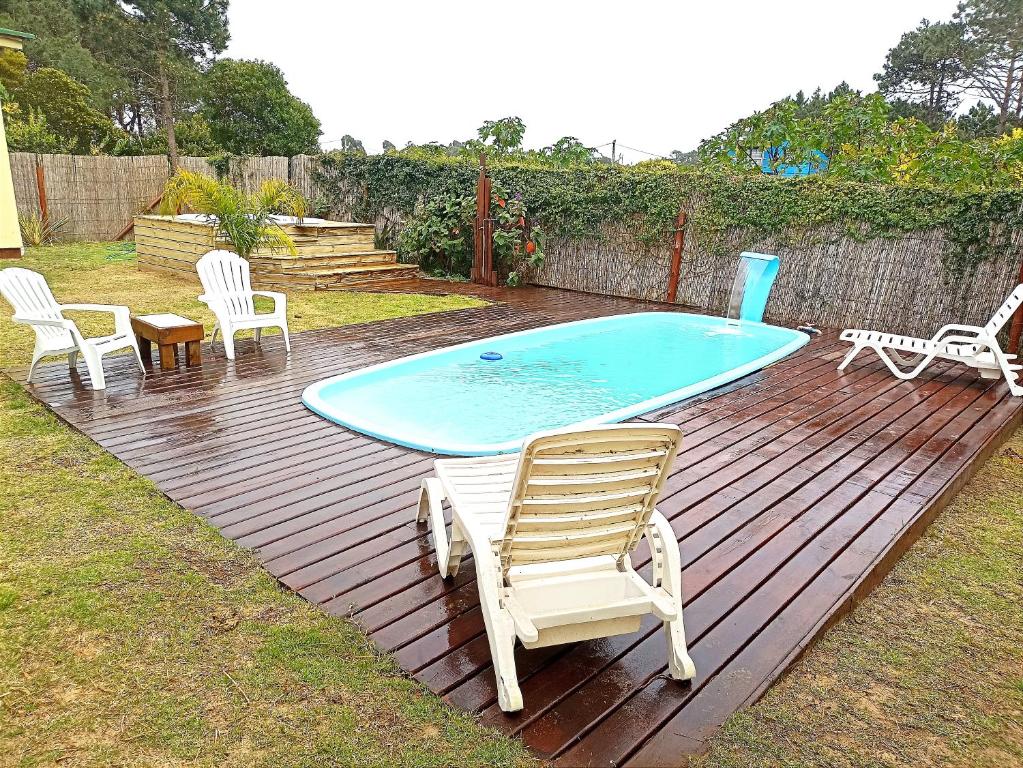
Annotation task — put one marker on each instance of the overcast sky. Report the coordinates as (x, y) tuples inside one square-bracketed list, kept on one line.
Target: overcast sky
[(656, 76)]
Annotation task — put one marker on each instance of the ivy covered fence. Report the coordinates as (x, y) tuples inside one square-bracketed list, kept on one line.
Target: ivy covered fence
[(902, 258)]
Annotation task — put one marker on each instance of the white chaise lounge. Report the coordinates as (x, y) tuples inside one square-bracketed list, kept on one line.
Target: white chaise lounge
[(228, 293), (551, 530), (35, 306), (908, 356)]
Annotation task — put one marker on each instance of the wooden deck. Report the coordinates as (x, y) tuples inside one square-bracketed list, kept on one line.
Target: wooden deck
[(796, 490)]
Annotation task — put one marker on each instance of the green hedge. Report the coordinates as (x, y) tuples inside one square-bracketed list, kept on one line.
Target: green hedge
[(577, 202)]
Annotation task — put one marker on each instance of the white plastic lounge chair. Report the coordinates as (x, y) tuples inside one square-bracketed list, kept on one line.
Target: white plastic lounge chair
[(968, 344), (228, 293), (551, 531), (35, 306)]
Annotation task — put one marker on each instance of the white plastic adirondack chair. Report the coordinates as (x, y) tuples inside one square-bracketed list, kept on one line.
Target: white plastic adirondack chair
[(228, 293), (967, 344), (35, 306), (551, 531)]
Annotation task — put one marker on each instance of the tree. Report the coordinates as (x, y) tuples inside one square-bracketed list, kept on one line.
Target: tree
[(158, 46), (504, 135), (981, 120), (388, 146), (862, 142), (251, 111), (31, 134), (63, 41), (692, 157), (351, 145), (994, 30), (568, 151), (13, 67), (927, 68), (66, 105)]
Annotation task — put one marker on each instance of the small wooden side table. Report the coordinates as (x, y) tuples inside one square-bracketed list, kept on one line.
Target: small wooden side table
[(167, 331)]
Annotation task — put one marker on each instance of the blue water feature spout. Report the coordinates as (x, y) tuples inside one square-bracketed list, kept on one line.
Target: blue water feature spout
[(752, 286)]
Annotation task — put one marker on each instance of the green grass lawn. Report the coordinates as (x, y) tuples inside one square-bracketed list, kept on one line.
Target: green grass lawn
[(132, 634), (105, 273)]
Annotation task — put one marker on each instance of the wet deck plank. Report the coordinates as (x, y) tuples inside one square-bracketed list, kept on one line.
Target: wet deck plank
[(796, 490)]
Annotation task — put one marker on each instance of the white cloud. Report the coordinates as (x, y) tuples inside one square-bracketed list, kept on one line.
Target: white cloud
[(656, 76)]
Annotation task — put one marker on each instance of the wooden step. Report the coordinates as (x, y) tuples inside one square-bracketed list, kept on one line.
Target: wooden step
[(343, 278), (320, 263)]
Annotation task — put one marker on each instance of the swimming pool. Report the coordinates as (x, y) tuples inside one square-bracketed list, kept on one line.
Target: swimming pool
[(597, 371)]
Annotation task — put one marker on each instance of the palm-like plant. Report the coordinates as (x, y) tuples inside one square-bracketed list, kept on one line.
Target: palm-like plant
[(243, 219)]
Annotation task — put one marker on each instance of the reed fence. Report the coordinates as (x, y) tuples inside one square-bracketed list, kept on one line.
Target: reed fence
[(96, 197)]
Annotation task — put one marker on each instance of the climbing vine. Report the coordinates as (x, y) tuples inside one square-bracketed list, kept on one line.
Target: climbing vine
[(579, 202)]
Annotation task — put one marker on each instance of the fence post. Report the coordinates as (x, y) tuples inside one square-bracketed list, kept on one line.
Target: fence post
[(1016, 329), (44, 212), (676, 257), (483, 240)]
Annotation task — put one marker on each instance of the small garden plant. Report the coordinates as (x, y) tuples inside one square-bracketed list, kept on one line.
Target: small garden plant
[(245, 220), (441, 233)]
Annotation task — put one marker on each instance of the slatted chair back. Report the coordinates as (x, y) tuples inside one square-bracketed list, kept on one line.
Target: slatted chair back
[(225, 275), (1007, 310), (585, 493), (30, 296)]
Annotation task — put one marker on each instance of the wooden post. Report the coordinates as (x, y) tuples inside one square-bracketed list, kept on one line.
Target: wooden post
[(483, 271), (44, 212), (1016, 329), (676, 257)]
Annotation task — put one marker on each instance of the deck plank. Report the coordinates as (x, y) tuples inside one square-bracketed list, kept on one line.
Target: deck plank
[(796, 489)]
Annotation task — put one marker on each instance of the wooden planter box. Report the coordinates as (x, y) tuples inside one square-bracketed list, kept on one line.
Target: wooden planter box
[(329, 254)]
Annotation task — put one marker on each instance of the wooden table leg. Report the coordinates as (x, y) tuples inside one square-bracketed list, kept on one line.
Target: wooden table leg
[(168, 357), (193, 353), (145, 349)]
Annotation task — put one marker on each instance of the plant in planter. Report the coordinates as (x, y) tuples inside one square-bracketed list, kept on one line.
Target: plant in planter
[(243, 219), (440, 235)]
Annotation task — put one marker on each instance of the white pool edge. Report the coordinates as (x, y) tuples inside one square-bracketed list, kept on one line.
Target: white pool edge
[(312, 399)]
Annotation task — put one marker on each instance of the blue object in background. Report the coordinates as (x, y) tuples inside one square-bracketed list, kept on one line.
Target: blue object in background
[(491, 356), (773, 154)]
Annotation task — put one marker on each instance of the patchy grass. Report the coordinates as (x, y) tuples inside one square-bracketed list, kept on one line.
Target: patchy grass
[(928, 670), (131, 633), (106, 273)]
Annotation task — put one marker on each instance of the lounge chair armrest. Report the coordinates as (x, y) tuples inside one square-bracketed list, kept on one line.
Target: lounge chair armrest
[(981, 339), (956, 327), (665, 553)]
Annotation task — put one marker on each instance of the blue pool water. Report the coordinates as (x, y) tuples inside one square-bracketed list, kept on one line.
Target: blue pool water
[(589, 372)]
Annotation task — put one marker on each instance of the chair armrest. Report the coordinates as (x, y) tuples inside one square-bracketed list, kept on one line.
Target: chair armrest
[(114, 308), (28, 320), (122, 315), (280, 300)]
